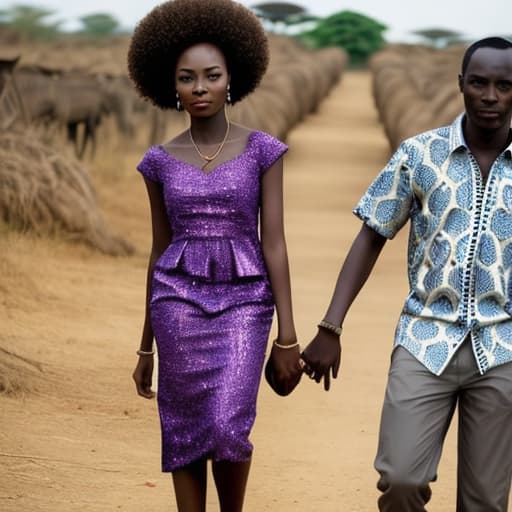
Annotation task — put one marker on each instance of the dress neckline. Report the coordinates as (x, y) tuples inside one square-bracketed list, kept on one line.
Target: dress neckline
[(198, 169)]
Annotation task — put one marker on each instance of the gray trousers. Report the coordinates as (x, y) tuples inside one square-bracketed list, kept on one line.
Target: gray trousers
[(417, 411)]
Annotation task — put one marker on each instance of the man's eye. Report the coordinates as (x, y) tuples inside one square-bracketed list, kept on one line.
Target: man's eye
[(504, 86)]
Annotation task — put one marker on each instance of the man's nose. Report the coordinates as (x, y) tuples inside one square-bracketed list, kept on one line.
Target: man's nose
[(490, 93)]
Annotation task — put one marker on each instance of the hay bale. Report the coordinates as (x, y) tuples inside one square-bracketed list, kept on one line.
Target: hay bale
[(415, 88), (48, 193)]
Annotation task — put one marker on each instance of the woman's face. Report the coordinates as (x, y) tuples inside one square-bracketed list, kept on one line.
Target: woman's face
[(202, 80)]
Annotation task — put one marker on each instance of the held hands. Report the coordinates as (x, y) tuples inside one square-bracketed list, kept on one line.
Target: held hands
[(322, 356), (287, 362), (143, 374)]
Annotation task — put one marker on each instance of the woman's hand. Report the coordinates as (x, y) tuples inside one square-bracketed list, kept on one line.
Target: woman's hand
[(321, 356), (287, 363), (143, 376)]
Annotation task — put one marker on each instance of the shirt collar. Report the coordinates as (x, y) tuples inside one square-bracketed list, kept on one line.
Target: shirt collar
[(458, 142), (508, 149)]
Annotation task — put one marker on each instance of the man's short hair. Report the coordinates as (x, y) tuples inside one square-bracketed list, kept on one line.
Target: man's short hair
[(499, 43)]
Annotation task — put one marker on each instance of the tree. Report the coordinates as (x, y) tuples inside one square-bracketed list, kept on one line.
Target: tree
[(30, 21), (358, 34), (99, 25), (278, 11), (284, 14), (439, 37)]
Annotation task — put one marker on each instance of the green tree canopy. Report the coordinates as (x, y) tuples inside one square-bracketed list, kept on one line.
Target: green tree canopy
[(30, 21), (99, 25), (358, 34)]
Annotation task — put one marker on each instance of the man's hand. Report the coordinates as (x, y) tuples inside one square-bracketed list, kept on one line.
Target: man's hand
[(323, 356)]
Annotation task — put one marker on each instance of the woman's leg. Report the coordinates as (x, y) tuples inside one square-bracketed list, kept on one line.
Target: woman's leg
[(190, 487), (231, 480)]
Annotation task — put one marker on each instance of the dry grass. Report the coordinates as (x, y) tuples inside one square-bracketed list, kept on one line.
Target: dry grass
[(415, 88), (18, 374), (48, 193)]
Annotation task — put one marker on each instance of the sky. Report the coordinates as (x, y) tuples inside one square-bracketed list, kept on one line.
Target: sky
[(472, 18)]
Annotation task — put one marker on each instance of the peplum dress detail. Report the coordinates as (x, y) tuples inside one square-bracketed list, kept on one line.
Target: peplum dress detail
[(211, 304)]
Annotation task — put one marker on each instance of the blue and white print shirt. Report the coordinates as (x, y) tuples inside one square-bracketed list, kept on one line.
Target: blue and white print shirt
[(460, 246)]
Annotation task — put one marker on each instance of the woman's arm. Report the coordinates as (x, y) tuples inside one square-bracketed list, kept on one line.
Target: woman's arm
[(276, 259), (162, 234), (324, 351)]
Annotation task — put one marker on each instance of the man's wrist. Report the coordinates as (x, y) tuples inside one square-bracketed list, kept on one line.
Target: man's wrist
[(329, 326)]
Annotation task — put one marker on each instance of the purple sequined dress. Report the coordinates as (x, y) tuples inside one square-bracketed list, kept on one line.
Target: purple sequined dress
[(211, 304)]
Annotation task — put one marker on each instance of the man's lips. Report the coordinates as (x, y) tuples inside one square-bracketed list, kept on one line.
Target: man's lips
[(488, 113)]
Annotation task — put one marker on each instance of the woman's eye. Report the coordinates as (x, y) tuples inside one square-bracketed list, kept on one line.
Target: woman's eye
[(214, 76), (184, 79)]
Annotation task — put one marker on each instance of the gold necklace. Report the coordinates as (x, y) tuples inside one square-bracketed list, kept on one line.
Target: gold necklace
[(207, 158)]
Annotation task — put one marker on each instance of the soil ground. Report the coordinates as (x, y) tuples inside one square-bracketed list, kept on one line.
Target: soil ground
[(73, 434)]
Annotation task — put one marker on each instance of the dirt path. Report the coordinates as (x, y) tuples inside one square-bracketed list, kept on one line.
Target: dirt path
[(76, 438)]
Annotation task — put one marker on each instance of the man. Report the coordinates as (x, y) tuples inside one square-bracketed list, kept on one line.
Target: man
[(453, 342)]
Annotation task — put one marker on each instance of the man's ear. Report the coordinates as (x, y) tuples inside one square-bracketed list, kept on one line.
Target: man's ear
[(461, 83)]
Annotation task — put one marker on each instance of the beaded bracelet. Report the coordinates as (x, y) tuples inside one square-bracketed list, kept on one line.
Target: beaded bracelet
[(331, 327), (286, 347), (145, 352)]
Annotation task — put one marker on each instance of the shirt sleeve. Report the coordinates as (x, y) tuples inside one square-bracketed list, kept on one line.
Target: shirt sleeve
[(386, 205), (270, 150), (148, 166)]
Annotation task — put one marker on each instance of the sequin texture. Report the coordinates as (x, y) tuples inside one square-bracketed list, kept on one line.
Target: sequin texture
[(211, 304)]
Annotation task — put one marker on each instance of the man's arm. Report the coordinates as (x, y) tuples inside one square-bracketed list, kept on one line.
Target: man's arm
[(324, 351)]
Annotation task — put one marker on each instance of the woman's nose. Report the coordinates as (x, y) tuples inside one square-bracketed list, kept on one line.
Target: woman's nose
[(199, 87)]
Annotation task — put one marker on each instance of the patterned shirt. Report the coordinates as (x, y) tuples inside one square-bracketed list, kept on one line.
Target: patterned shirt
[(460, 246)]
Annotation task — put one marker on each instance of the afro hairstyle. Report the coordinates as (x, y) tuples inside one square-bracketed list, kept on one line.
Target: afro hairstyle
[(173, 26)]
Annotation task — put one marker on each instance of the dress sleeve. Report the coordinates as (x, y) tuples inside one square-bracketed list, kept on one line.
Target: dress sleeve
[(270, 150), (148, 166), (386, 205)]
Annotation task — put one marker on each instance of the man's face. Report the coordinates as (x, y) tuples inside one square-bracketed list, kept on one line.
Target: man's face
[(487, 88)]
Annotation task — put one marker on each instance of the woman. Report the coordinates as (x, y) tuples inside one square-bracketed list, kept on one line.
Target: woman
[(212, 283)]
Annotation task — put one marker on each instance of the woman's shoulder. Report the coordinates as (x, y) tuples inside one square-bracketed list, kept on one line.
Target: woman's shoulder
[(157, 157), (263, 147), (176, 142), (256, 136)]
